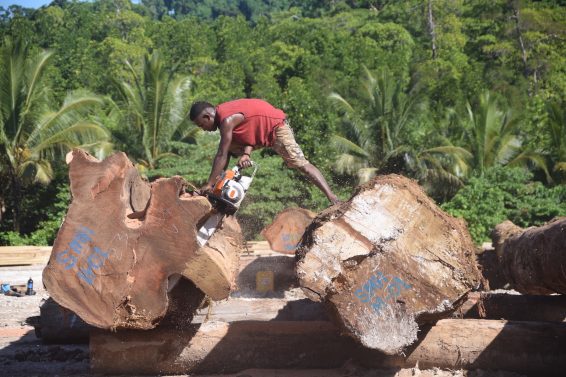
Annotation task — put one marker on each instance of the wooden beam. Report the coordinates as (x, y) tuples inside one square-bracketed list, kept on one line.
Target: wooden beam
[(218, 347), (24, 255)]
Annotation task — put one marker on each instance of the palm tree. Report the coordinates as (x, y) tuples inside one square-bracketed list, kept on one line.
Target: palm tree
[(372, 138), (32, 133), (557, 128), (491, 137), (155, 105)]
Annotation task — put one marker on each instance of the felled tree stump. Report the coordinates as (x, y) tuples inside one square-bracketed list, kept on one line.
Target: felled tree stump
[(533, 259), (387, 260), (124, 243), (286, 230)]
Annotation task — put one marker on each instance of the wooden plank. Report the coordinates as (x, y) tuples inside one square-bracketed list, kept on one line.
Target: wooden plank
[(24, 255), (28, 255), (260, 309)]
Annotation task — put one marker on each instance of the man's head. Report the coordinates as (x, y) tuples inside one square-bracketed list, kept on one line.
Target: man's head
[(202, 114)]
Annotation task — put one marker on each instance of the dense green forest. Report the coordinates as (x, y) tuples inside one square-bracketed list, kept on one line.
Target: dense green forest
[(466, 96)]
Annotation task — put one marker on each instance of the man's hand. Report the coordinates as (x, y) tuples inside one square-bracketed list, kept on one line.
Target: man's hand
[(244, 161), (204, 190)]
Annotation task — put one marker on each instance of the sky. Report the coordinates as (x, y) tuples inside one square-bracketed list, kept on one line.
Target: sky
[(30, 3), (24, 3)]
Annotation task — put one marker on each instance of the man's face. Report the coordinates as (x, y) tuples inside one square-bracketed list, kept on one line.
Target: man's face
[(205, 120)]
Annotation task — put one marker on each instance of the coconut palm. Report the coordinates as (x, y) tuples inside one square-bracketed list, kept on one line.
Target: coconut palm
[(155, 105), (32, 132), (372, 140), (491, 136)]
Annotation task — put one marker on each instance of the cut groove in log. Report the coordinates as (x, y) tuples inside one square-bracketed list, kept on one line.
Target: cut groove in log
[(533, 259), (386, 261), (113, 270), (286, 230)]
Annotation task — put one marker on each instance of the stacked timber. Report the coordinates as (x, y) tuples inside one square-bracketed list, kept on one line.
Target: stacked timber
[(387, 261), (533, 259), (125, 243)]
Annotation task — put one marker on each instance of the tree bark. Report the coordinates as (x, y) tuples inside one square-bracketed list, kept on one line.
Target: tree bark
[(387, 260), (286, 230), (535, 348), (513, 307), (432, 30), (123, 246), (533, 259)]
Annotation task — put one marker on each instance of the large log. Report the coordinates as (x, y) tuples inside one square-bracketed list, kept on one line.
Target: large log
[(286, 230), (218, 347), (533, 259), (387, 260), (513, 307), (125, 242)]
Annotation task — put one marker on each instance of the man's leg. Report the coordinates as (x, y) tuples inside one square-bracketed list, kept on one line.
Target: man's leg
[(286, 146), (317, 178)]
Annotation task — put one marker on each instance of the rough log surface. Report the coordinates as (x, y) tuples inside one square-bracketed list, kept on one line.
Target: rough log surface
[(113, 264), (513, 307), (533, 259), (387, 260), (536, 348), (286, 230)]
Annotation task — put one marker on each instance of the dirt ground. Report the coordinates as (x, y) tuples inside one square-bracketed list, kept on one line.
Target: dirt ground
[(23, 354)]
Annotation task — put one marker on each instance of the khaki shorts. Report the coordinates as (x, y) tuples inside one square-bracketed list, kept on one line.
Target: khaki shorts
[(286, 147)]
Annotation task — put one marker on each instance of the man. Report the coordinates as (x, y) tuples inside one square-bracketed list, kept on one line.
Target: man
[(248, 124)]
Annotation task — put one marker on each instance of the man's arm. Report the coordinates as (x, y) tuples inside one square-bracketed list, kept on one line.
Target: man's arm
[(222, 157)]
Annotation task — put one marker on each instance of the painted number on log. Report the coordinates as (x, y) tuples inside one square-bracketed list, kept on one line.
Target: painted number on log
[(290, 241), (379, 289), (77, 247)]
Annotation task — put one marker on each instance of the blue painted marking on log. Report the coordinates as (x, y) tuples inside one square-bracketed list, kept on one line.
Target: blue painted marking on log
[(79, 247), (379, 289), (290, 241)]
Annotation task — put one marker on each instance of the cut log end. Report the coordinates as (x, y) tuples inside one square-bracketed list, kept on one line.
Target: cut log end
[(112, 268), (387, 260)]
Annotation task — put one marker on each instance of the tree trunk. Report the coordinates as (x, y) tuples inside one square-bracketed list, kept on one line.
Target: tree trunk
[(122, 247), (286, 230), (432, 29), (387, 260), (536, 348), (533, 259)]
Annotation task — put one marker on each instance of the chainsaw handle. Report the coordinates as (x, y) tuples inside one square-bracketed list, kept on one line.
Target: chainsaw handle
[(255, 165)]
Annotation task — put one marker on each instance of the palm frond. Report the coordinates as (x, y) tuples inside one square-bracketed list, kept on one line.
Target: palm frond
[(346, 146)]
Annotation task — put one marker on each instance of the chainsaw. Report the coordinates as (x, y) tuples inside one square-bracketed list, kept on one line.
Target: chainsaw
[(226, 197)]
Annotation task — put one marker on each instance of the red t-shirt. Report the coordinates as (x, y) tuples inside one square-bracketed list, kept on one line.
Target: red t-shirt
[(260, 120)]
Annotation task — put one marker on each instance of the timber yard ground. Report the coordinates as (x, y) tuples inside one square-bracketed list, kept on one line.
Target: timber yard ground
[(23, 354)]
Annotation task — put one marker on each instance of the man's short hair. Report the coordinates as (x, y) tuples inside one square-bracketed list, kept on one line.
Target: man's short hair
[(197, 108)]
